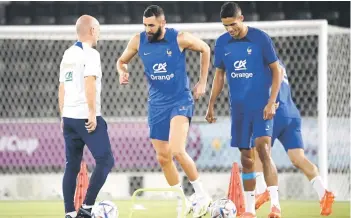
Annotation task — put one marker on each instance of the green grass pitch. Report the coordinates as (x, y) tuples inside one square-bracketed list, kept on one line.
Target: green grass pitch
[(54, 209)]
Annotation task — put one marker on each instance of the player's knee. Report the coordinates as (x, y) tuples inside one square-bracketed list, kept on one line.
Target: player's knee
[(106, 161), (180, 156), (73, 166), (297, 161), (164, 159), (247, 160), (110, 162), (263, 150)]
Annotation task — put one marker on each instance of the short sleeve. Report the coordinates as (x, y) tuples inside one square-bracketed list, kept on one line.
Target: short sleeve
[(92, 64), (269, 54), (218, 57), (62, 72)]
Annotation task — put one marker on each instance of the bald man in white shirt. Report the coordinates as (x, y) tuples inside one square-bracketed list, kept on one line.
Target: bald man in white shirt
[(80, 110)]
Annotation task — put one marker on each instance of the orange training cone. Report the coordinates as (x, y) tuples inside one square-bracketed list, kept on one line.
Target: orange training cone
[(235, 191), (82, 186)]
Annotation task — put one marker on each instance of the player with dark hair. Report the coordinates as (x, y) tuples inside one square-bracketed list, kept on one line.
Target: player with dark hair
[(287, 129), (245, 53), (80, 109), (170, 104)]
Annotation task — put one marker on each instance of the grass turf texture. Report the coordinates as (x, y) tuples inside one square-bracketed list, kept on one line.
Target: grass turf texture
[(158, 209)]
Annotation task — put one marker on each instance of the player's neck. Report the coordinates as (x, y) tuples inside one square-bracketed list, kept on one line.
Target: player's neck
[(162, 36), (243, 33), (86, 42)]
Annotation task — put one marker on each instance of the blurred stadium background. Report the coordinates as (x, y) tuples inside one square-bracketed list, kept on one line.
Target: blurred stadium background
[(32, 42)]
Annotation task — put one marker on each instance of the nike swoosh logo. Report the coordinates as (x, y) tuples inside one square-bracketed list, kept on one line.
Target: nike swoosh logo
[(147, 53), (227, 54)]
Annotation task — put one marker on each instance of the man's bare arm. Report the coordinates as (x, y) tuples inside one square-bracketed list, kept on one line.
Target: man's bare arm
[(277, 77), (217, 86), (188, 41), (90, 93), (61, 97), (127, 55)]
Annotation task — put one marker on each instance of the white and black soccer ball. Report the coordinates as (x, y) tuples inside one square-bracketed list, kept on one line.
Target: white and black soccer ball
[(223, 208), (105, 209)]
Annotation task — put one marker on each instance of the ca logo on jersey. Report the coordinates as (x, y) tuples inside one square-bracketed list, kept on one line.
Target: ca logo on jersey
[(160, 68), (240, 65), (68, 76)]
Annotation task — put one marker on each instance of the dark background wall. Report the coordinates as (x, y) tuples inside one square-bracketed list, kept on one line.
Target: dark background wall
[(49, 13)]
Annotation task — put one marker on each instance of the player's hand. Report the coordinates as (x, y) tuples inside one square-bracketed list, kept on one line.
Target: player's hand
[(199, 90), (210, 115), (269, 110), (124, 78), (91, 124)]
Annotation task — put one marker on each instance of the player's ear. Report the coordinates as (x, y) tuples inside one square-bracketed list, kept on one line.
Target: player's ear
[(92, 31), (241, 18)]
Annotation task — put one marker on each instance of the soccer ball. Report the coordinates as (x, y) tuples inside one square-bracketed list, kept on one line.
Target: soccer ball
[(104, 209), (223, 208)]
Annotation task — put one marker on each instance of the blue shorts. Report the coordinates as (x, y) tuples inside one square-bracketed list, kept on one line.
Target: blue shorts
[(288, 132), (247, 126), (76, 137), (160, 130)]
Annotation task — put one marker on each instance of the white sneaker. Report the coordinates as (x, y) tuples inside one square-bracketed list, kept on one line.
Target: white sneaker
[(200, 206), (188, 207)]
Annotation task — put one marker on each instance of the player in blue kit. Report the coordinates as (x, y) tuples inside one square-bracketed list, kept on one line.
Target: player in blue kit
[(244, 53), (170, 103), (287, 129)]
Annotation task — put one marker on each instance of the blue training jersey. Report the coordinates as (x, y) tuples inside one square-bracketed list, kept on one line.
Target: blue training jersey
[(165, 70), (287, 107), (245, 62)]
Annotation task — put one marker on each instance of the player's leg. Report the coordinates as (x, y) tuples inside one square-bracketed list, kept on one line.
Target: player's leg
[(179, 128), (249, 179), (293, 144), (99, 145), (262, 133), (261, 192), (74, 151), (261, 185), (164, 158), (159, 134), (177, 140), (241, 130)]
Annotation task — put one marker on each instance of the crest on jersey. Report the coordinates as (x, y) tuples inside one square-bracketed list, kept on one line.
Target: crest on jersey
[(68, 76), (249, 50), (169, 53)]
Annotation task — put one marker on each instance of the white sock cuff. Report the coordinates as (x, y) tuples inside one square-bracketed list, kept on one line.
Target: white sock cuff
[(87, 206), (179, 185), (72, 214), (195, 181), (316, 178), (272, 188), (259, 174)]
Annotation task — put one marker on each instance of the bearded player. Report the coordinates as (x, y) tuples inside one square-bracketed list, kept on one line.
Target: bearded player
[(170, 103)]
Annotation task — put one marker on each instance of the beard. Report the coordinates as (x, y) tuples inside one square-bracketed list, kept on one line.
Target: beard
[(153, 37)]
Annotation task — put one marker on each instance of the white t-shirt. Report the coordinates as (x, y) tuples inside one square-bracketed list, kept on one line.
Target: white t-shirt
[(79, 61)]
